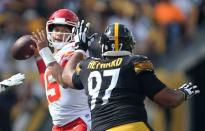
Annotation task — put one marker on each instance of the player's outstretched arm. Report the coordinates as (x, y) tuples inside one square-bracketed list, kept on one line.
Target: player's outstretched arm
[(14, 80), (70, 68), (189, 90), (170, 98), (82, 44)]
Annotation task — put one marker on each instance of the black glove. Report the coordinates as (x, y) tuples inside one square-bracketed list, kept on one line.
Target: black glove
[(189, 90), (81, 39)]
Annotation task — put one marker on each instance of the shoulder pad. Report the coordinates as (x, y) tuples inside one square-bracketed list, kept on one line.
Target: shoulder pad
[(142, 63)]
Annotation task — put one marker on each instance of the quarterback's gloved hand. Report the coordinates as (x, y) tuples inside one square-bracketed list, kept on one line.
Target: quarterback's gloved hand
[(189, 90), (16, 79), (81, 39)]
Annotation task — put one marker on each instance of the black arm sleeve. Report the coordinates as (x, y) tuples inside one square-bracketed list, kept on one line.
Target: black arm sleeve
[(150, 84), (77, 82)]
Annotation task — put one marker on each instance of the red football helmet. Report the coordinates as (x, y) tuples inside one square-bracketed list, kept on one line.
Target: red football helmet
[(63, 17)]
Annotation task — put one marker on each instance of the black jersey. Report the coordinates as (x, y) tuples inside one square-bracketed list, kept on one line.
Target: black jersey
[(116, 89)]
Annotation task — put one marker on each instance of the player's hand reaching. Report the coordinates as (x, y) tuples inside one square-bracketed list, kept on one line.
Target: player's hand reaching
[(189, 90), (39, 37), (81, 39), (16, 79)]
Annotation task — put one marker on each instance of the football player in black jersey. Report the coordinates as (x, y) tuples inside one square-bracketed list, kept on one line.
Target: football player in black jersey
[(118, 83)]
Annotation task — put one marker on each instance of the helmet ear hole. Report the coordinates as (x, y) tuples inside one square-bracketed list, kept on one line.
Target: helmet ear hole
[(103, 39)]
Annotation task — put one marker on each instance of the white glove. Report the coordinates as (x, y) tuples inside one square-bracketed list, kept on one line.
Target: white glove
[(189, 90), (16, 79)]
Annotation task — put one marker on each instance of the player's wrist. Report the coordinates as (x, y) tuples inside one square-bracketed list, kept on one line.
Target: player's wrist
[(47, 55), (81, 46), (183, 93)]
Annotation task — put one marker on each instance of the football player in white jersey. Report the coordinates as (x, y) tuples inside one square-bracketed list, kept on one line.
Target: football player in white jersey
[(68, 107)]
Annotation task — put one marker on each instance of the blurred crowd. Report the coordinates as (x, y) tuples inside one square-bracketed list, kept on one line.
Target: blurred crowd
[(160, 28)]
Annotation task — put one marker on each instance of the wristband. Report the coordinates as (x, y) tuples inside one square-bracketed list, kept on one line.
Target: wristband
[(46, 55)]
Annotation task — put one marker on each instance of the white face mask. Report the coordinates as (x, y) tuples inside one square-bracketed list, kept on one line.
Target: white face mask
[(68, 37)]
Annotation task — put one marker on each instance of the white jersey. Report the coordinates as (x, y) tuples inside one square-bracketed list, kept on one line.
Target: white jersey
[(65, 105)]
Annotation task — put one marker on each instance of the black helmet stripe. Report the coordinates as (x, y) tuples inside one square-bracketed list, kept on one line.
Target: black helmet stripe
[(116, 36)]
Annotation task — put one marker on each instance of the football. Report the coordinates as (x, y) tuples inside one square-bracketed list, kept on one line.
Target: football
[(21, 49)]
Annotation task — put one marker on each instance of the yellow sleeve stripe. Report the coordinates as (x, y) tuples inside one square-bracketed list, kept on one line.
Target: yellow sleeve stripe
[(143, 65), (116, 36)]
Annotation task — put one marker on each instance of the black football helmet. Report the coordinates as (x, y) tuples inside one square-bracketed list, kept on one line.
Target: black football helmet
[(117, 40)]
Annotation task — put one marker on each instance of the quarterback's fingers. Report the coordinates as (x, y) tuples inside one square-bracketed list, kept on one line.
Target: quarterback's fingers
[(40, 35), (43, 34), (34, 37), (34, 48)]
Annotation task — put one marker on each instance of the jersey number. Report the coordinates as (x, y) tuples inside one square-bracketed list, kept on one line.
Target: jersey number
[(94, 92), (52, 88)]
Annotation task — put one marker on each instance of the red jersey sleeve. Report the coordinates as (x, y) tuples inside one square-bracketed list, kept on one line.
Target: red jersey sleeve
[(41, 69)]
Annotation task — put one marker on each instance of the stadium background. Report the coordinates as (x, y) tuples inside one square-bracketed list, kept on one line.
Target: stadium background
[(174, 42)]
